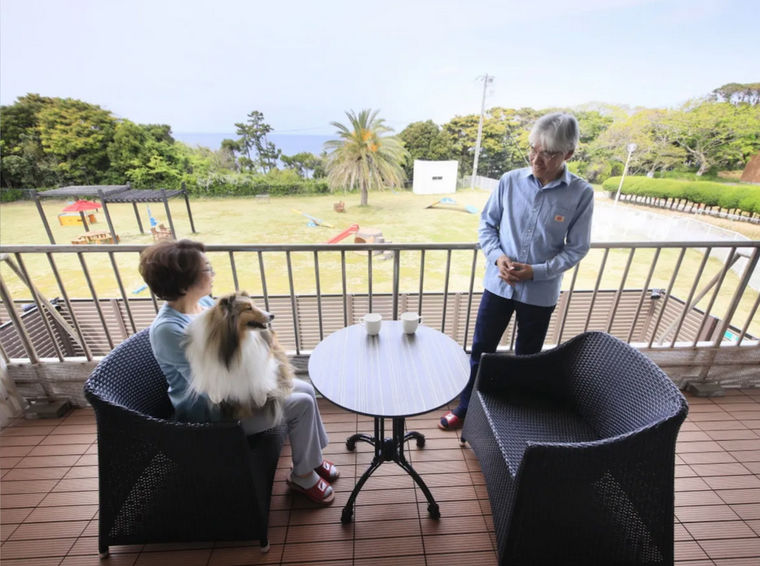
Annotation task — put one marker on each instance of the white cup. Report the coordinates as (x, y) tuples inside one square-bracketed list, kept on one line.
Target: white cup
[(372, 322), (410, 321)]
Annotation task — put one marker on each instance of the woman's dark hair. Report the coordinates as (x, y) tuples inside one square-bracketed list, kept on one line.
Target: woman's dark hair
[(170, 268)]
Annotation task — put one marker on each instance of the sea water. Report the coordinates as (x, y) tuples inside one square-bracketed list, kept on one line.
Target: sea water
[(290, 144)]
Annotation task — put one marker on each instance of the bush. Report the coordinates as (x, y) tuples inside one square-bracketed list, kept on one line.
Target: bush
[(9, 195), (708, 193), (244, 185)]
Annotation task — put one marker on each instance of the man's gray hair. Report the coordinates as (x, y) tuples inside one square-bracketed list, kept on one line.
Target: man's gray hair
[(557, 131)]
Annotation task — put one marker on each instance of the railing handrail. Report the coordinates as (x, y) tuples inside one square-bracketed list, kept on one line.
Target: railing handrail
[(71, 248)]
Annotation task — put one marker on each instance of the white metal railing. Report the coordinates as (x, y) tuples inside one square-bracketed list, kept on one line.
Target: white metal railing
[(654, 294)]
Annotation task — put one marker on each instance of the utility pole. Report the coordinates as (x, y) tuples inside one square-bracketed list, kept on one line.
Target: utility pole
[(486, 81), (631, 149)]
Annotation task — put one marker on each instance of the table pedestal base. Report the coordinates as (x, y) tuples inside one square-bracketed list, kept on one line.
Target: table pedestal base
[(388, 449)]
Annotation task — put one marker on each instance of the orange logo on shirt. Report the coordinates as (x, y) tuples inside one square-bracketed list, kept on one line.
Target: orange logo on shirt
[(559, 218)]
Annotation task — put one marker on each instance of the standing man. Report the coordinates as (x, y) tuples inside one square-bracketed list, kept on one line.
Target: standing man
[(535, 226)]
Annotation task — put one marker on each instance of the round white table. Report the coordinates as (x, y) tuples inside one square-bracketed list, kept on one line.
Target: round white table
[(391, 375)]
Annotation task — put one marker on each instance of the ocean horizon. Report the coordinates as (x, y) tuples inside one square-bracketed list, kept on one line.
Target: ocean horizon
[(290, 144)]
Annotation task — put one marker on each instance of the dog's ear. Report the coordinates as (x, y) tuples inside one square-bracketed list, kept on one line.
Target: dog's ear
[(227, 303), (227, 329)]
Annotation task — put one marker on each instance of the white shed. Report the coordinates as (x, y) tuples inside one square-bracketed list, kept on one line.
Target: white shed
[(435, 177)]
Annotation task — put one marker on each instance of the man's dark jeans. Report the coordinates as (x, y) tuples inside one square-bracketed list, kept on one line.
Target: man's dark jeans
[(494, 315)]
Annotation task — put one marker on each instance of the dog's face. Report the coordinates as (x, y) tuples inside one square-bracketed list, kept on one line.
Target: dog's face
[(241, 308), (233, 316)]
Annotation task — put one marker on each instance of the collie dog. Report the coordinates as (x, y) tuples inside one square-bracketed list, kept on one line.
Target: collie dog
[(236, 359)]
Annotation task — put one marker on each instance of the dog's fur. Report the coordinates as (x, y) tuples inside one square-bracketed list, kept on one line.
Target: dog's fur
[(236, 360)]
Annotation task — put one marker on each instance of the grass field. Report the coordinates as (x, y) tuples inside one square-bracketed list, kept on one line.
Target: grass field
[(401, 216)]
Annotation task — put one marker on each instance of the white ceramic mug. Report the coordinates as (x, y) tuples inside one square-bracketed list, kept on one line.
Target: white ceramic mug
[(410, 321), (372, 322)]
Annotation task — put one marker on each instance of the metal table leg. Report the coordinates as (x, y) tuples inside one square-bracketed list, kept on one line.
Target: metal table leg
[(388, 449)]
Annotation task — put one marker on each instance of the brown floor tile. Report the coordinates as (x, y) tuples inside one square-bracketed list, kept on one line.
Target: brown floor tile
[(388, 512), (733, 482), (38, 548), (454, 526), (56, 499), (78, 484), (700, 513), (705, 470), (9, 501), (719, 530), (332, 550), (245, 555), (688, 550), (61, 529), (399, 546), (49, 499), (707, 458), (732, 548), (198, 557), (65, 513), (34, 474), (386, 529), (52, 561), (9, 440), (48, 461), (442, 544), (94, 560), (416, 560), (27, 486), (463, 557), (686, 498), (740, 434), (739, 495)]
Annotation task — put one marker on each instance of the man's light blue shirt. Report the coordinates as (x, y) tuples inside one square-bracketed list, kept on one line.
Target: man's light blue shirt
[(547, 227)]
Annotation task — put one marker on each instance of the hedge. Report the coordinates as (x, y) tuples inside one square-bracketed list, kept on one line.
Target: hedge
[(244, 186), (707, 193)]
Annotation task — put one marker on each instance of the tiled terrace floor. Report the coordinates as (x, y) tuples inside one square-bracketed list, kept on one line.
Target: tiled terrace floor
[(48, 498)]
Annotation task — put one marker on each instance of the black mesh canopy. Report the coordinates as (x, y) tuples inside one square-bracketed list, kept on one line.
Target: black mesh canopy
[(112, 194)]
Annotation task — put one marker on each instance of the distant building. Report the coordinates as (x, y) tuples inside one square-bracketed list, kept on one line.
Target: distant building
[(434, 177), (751, 172)]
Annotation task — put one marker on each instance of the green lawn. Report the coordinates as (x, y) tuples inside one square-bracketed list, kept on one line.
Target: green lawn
[(401, 216)]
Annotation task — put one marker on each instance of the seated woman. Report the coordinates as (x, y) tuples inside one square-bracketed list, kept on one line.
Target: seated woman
[(180, 273)]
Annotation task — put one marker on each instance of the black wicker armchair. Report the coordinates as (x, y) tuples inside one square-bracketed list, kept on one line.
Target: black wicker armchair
[(166, 481), (577, 446)]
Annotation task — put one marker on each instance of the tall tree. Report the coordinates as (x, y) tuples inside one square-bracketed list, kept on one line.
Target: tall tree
[(364, 156), (717, 134), (24, 161), (737, 93), (77, 134), (260, 154), (425, 140), (303, 163)]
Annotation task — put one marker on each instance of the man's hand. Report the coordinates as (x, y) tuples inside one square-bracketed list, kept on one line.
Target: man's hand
[(520, 272), (513, 271), (504, 264)]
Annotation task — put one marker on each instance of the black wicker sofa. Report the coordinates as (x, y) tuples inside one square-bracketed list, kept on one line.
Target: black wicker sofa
[(166, 481), (577, 446)]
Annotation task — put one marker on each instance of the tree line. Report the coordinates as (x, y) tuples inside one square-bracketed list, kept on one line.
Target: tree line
[(47, 142)]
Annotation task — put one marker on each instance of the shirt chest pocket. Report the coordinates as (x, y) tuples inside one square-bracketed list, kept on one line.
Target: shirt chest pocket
[(554, 221)]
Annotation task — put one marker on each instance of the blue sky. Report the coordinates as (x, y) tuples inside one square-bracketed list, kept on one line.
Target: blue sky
[(202, 65)]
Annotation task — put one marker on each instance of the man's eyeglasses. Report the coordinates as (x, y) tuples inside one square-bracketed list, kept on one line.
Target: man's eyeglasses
[(545, 155)]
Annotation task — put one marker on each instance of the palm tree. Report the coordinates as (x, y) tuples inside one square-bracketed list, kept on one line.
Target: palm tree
[(363, 156)]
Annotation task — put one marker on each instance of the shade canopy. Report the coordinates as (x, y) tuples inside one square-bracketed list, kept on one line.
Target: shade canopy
[(82, 205)]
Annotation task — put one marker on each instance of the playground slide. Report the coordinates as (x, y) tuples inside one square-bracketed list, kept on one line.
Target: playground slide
[(350, 230)]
